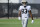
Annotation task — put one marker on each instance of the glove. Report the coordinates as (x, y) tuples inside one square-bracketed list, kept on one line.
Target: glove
[(32, 21), (19, 18)]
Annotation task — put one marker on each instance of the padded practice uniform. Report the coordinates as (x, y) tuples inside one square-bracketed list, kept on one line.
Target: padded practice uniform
[(24, 14)]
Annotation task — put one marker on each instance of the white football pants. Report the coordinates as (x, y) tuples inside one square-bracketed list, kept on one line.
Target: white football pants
[(24, 22)]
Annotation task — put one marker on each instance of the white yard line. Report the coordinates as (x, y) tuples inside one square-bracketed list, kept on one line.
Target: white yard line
[(9, 23)]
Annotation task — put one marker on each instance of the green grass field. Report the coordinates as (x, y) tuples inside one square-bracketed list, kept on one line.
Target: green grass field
[(17, 23)]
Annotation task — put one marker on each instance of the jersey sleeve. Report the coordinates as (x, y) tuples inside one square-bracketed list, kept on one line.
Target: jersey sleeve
[(20, 8), (29, 8)]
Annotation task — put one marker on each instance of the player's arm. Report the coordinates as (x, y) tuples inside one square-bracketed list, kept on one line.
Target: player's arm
[(19, 15), (31, 16)]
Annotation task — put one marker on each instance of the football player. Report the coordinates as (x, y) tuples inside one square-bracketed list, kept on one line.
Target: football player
[(24, 11)]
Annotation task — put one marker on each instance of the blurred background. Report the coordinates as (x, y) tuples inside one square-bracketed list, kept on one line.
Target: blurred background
[(9, 13), (9, 8)]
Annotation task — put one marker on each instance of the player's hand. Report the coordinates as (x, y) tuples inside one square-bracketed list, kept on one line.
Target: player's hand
[(19, 18), (32, 21)]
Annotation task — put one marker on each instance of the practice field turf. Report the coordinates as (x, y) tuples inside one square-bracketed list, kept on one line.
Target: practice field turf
[(17, 23)]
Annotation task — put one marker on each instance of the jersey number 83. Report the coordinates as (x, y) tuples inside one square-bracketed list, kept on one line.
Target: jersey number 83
[(24, 11)]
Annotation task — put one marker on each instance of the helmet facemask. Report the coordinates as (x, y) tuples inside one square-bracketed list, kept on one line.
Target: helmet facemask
[(24, 3)]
